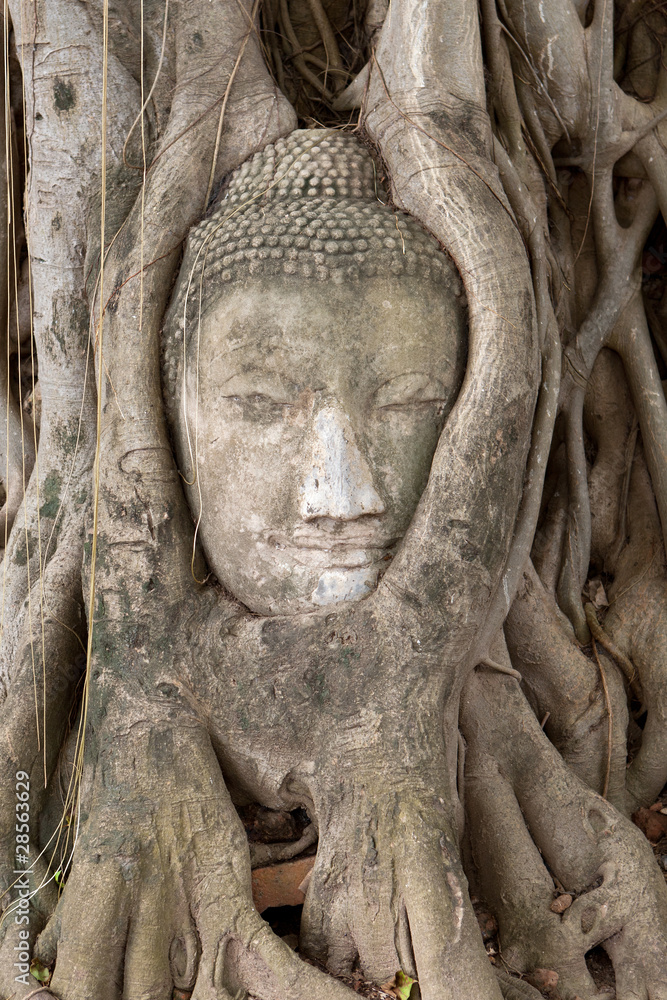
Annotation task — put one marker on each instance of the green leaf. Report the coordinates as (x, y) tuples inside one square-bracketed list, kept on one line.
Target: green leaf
[(58, 877), (39, 971), (403, 986)]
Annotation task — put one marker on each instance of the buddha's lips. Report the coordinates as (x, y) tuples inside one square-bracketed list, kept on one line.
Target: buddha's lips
[(342, 551)]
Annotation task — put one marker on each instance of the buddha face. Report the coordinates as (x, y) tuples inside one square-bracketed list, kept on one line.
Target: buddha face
[(313, 415)]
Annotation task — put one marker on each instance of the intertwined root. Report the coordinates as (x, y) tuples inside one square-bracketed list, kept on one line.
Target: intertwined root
[(566, 690), (159, 894), (388, 892), (637, 622), (160, 884), (515, 989), (536, 826)]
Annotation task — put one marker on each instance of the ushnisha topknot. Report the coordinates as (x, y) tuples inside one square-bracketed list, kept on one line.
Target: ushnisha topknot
[(310, 206)]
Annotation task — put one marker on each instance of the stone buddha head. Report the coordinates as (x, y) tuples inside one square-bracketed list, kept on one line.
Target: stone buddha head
[(315, 344)]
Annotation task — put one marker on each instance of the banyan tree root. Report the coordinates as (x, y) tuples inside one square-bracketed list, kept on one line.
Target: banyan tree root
[(387, 891), (634, 626), (637, 623), (161, 872), (566, 689), (160, 889), (538, 831), (514, 988), (610, 421)]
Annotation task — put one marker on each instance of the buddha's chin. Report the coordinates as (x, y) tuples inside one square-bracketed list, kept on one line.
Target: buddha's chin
[(305, 591), (340, 584)]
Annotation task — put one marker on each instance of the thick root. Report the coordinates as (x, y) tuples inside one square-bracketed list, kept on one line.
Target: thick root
[(637, 623), (388, 891), (515, 989), (534, 823), (159, 895), (566, 688), (609, 419)]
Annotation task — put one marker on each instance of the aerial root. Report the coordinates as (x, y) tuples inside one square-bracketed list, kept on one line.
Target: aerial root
[(565, 683), (536, 831), (637, 625), (163, 881), (619, 657), (388, 892), (515, 989)]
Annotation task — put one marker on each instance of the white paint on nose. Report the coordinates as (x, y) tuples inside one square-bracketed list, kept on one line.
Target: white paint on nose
[(339, 483)]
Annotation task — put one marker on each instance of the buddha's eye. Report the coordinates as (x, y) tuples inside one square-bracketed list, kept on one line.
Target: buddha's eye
[(260, 393), (260, 403), (261, 399), (410, 390)]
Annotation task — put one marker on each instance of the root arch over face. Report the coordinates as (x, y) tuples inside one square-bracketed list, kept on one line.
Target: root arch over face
[(483, 723)]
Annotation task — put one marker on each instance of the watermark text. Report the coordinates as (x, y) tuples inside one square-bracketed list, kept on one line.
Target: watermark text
[(21, 906)]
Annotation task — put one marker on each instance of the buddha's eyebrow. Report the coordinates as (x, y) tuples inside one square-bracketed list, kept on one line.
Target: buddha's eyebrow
[(232, 350), (227, 354), (254, 369), (249, 344)]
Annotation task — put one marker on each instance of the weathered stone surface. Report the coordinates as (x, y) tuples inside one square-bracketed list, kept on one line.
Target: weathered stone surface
[(306, 414)]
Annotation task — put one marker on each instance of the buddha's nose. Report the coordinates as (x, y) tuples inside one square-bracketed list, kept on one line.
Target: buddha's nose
[(339, 482)]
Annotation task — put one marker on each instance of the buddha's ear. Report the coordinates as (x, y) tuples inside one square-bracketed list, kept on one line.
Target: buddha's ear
[(455, 551)]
